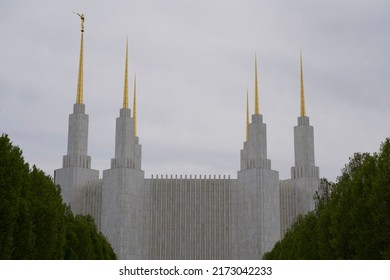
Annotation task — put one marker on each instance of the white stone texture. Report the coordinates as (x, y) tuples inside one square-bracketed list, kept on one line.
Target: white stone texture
[(123, 211), (180, 217), (288, 201), (123, 193), (76, 166), (92, 204), (72, 181), (190, 218), (78, 131), (257, 196), (297, 194), (127, 150)]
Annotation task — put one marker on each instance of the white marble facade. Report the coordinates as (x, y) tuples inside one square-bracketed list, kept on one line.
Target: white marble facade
[(188, 217)]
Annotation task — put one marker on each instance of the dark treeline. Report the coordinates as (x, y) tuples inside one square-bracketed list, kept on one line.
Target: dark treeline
[(352, 216), (34, 222)]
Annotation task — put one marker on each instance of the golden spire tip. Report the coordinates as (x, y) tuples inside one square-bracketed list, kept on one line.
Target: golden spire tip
[(256, 88), (303, 109), (126, 85), (80, 78), (135, 106)]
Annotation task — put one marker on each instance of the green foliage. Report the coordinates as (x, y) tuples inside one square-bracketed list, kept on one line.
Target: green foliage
[(83, 242), (352, 217), (298, 243), (47, 213), (35, 223), (13, 182)]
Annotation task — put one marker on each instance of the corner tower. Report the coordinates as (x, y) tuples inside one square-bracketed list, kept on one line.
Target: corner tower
[(257, 196), (297, 194), (123, 186), (304, 172), (76, 169), (303, 140)]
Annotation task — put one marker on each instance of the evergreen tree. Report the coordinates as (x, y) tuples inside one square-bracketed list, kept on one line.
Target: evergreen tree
[(47, 211), (83, 241), (351, 219), (13, 182), (34, 222)]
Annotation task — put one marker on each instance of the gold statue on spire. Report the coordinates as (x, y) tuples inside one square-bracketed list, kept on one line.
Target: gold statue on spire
[(256, 89), (303, 109), (135, 106), (80, 86), (126, 86), (82, 21)]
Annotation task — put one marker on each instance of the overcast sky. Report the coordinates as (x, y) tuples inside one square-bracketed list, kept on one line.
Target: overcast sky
[(194, 61)]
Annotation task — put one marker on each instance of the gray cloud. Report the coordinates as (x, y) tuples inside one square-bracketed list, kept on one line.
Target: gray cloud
[(194, 61)]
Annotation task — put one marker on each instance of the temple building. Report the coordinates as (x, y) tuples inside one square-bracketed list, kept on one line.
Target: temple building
[(187, 217)]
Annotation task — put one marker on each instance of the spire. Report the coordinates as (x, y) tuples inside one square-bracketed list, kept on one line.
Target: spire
[(256, 89), (303, 110), (126, 86), (79, 97), (247, 116), (135, 106)]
